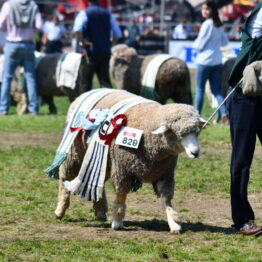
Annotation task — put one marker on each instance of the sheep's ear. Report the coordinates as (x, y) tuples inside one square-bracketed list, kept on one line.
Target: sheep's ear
[(202, 122), (160, 130)]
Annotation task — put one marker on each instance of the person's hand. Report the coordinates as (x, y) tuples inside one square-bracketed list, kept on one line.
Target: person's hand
[(87, 44)]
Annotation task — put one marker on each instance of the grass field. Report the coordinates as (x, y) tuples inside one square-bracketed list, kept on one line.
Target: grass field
[(30, 232)]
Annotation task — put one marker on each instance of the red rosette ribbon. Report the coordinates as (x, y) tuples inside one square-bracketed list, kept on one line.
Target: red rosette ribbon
[(73, 129), (117, 122)]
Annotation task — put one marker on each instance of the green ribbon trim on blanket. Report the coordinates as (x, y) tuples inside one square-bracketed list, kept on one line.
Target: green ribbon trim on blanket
[(52, 171), (149, 93)]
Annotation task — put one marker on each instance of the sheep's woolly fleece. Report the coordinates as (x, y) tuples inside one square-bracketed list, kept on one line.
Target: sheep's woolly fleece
[(184, 120)]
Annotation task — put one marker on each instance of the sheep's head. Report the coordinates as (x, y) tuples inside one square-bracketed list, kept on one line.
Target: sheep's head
[(120, 60), (181, 126), (123, 53)]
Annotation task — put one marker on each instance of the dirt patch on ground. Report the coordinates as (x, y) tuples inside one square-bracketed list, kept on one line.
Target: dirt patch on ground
[(11, 140), (145, 218), (145, 215)]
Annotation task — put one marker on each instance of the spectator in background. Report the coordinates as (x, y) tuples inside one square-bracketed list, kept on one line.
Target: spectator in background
[(96, 28), (124, 31), (182, 30), (133, 33), (235, 32), (20, 19), (209, 58), (53, 34)]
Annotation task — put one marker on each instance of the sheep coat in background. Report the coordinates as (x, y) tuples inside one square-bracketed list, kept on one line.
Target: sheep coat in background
[(46, 80), (173, 79), (153, 162)]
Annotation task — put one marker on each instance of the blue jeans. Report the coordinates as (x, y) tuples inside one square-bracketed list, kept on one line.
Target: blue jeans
[(213, 74), (19, 53)]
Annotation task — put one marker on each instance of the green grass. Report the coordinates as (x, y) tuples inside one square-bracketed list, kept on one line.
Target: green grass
[(42, 123), (29, 232), (182, 248)]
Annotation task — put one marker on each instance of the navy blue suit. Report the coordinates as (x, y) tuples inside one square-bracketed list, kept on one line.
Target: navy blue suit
[(98, 31), (245, 114)]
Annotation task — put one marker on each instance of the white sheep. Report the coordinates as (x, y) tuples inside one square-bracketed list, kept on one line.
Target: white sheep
[(168, 130), (127, 69)]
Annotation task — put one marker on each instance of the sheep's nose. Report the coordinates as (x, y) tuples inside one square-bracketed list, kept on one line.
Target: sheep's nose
[(195, 154)]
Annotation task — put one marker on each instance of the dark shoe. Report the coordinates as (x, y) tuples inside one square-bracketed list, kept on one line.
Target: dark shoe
[(250, 229)]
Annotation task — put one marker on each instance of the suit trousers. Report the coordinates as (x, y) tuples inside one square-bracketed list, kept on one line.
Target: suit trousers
[(245, 114), (98, 65)]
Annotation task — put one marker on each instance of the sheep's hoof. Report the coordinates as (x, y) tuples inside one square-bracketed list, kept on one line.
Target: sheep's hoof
[(176, 231), (101, 216), (117, 225), (59, 215)]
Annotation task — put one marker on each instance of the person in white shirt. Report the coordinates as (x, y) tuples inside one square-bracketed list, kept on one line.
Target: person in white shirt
[(53, 34), (209, 58), (182, 30)]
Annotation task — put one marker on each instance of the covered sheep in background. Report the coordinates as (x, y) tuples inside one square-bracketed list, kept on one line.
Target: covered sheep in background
[(56, 75), (127, 70), (167, 130)]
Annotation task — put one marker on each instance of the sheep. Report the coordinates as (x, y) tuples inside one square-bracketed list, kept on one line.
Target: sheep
[(168, 130), (46, 84), (172, 81)]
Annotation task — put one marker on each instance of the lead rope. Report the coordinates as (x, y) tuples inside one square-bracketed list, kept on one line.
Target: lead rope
[(223, 102)]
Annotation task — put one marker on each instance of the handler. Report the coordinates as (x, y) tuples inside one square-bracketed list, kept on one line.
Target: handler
[(245, 114), (95, 27)]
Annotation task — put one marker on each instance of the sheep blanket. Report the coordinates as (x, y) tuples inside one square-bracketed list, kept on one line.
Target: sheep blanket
[(149, 78), (82, 108), (89, 184), (67, 70)]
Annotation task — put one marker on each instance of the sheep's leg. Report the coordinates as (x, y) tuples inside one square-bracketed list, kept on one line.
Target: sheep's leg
[(119, 210), (63, 200), (101, 208), (165, 190), (51, 105), (21, 106)]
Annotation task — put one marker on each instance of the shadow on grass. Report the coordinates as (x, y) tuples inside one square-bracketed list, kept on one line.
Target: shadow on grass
[(200, 227), (161, 225), (155, 225)]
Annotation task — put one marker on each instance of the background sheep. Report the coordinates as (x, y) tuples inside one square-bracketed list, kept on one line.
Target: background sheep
[(46, 84), (167, 131), (172, 81)]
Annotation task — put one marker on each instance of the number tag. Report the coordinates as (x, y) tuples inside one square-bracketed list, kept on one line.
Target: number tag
[(129, 137)]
